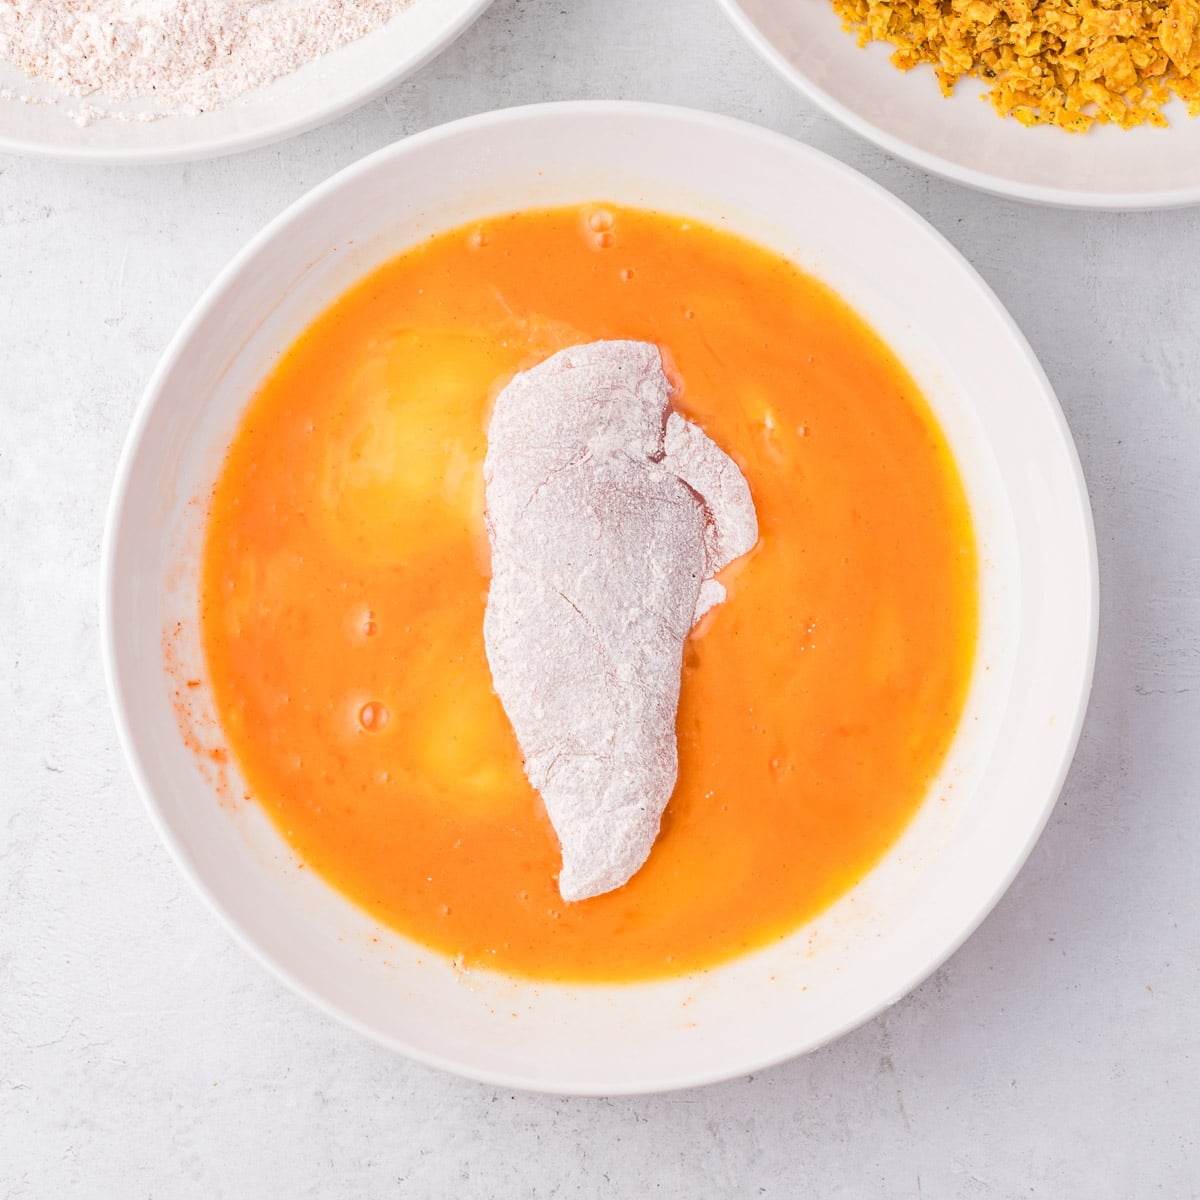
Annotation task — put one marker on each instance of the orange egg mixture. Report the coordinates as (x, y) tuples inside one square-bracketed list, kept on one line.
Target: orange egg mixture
[(345, 575)]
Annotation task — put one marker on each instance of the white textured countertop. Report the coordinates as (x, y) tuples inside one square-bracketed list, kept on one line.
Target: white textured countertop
[(142, 1054)]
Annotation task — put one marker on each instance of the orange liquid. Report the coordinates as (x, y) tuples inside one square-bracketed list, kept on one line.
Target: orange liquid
[(345, 576)]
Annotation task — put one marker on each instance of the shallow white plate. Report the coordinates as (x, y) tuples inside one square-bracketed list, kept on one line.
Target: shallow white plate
[(318, 92), (963, 138), (1038, 599)]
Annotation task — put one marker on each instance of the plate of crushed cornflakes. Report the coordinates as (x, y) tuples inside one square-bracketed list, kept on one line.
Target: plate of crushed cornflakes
[(1083, 103)]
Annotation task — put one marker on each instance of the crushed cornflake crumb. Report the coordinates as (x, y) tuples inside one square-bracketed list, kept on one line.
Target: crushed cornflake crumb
[(1070, 63)]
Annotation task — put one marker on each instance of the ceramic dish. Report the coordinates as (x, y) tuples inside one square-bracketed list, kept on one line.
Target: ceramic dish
[(318, 92), (1038, 594), (962, 138)]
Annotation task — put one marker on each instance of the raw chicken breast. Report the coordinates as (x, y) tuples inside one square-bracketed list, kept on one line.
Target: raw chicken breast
[(608, 517)]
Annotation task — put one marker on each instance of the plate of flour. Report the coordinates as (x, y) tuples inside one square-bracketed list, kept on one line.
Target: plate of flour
[(171, 80)]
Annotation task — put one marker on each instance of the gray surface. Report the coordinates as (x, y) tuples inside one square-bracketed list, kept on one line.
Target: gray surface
[(143, 1054)]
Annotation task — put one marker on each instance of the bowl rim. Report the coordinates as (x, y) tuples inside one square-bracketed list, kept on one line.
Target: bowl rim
[(264, 135), (215, 294), (983, 181)]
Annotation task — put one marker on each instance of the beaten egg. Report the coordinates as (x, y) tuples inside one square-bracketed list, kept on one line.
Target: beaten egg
[(345, 573)]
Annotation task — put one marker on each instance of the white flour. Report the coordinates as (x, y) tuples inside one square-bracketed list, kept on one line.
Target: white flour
[(608, 519), (186, 56)]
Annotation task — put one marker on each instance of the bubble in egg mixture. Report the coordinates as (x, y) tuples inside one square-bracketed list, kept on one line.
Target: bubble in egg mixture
[(373, 716)]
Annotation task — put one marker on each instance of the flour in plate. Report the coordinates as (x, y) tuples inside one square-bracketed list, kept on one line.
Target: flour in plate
[(185, 56)]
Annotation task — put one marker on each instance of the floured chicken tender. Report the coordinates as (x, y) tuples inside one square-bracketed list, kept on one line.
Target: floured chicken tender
[(1070, 63), (608, 518)]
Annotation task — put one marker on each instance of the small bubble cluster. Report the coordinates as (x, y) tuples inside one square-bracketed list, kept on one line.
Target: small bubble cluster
[(600, 223), (373, 716)]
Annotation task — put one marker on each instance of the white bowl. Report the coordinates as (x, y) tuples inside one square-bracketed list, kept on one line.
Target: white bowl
[(320, 91), (1026, 702), (963, 138)]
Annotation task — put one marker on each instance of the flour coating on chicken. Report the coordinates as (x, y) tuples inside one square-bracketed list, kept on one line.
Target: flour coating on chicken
[(608, 516)]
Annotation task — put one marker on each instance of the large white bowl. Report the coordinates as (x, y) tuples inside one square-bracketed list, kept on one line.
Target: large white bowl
[(1038, 600), (318, 92), (962, 138)]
